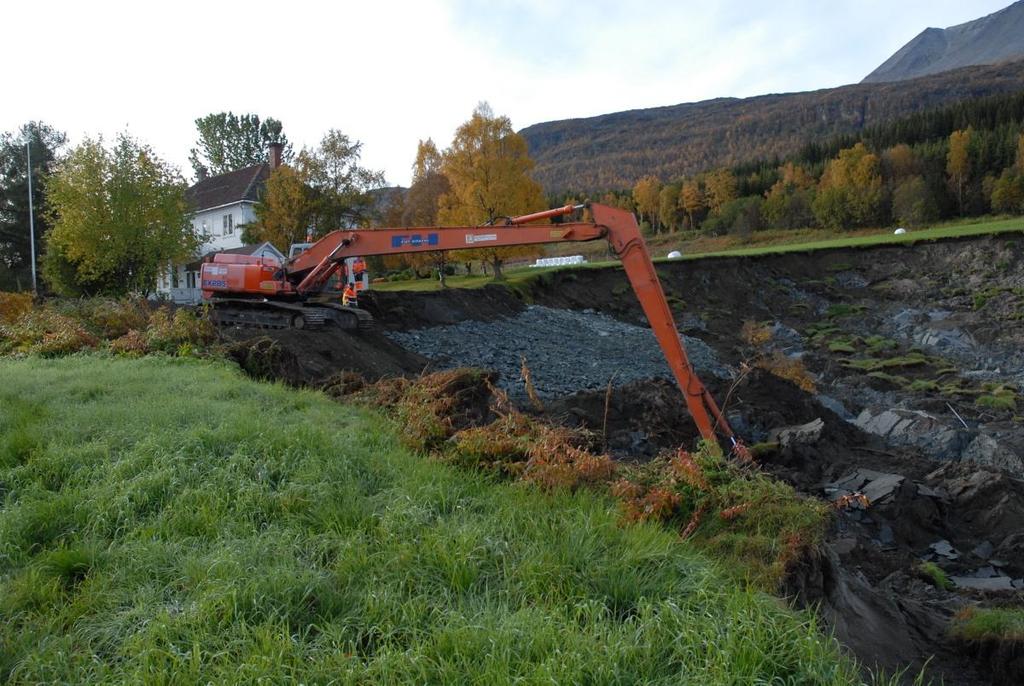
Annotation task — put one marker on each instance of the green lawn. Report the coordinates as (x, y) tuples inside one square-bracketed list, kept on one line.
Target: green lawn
[(167, 521), (784, 245), (957, 230)]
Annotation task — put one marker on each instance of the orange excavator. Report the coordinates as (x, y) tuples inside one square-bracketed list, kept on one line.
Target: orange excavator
[(261, 291)]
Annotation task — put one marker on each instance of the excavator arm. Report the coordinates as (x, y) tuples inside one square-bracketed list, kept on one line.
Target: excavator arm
[(309, 270)]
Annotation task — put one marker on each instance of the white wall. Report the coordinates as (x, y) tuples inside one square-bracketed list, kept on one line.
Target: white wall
[(209, 224)]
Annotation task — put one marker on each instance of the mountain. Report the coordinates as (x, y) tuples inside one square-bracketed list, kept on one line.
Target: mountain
[(995, 38), (614, 150)]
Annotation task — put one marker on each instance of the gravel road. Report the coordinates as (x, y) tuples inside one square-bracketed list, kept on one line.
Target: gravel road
[(566, 350)]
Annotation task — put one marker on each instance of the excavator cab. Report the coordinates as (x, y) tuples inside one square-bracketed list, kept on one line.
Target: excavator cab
[(297, 249)]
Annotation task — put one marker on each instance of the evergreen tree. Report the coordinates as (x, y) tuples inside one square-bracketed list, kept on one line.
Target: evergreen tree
[(15, 246)]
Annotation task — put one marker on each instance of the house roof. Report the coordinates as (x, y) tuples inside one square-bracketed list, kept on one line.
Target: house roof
[(247, 249), (224, 189)]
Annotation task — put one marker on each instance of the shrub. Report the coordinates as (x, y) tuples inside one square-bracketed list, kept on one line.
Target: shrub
[(45, 332), (131, 344), (1001, 400), (343, 383), (789, 368), (13, 306), (167, 332), (557, 461), (61, 327), (657, 505), (109, 318), (933, 574), (756, 334), (733, 510), (980, 624)]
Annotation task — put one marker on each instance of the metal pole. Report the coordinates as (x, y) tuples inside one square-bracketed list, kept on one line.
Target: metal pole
[(31, 217)]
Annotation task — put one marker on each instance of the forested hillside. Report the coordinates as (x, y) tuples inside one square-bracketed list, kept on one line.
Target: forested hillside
[(961, 160), (615, 150)]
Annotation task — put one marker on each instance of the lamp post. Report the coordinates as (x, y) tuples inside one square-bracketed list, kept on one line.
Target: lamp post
[(31, 216)]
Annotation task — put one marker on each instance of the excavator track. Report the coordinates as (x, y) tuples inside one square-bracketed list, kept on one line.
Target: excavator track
[(265, 314)]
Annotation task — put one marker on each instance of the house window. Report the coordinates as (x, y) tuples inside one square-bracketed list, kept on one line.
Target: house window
[(229, 225), (204, 228), (191, 279), (174, 277)]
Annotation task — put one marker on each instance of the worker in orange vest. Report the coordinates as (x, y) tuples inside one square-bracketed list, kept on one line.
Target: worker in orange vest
[(359, 273), (348, 296)]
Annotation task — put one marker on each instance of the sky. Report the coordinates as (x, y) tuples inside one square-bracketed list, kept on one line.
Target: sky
[(391, 73)]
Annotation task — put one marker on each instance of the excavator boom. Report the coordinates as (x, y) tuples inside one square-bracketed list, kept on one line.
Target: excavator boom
[(617, 226), (249, 288)]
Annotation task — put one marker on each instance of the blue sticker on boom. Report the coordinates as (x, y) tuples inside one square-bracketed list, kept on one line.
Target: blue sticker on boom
[(414, 241)]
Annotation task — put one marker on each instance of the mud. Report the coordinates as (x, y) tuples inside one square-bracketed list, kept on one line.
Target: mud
[(309, 357), (915, 353)]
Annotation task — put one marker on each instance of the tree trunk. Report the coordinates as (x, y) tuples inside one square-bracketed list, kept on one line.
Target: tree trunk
[(496, 264), (441, 276)]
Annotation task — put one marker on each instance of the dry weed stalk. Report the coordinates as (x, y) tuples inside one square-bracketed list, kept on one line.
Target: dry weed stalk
[(531, 392)]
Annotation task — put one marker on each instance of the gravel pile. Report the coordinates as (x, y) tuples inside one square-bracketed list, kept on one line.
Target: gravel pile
[(566, 350)]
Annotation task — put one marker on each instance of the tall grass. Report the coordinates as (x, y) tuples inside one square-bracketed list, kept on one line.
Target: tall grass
[(167, 521)]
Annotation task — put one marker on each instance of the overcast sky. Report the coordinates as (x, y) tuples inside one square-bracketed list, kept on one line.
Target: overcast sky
[(390, 73)]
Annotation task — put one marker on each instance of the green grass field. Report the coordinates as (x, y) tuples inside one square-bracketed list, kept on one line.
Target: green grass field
[(778, 242), (167, 521), (955, 230)]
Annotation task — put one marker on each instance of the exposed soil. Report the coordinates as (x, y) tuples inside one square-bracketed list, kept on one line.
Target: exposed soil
[(916, 353), (308, 357)]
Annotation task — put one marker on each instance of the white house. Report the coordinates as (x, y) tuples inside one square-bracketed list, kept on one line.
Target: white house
[(222, 206)]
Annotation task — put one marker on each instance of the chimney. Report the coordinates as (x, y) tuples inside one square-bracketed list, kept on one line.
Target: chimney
[(275, 155)]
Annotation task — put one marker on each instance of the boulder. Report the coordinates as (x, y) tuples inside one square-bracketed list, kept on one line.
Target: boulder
[(994, 583), (913, 428), (875, 486), (803, 434)]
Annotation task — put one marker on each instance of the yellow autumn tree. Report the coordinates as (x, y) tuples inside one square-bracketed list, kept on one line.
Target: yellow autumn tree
[(284, 212), (958, 163), (720, 188), (668, 206), (691, 201), (646, 194), (850, 192), (428, 185), (488, 169), (900, 163), (787, 203)]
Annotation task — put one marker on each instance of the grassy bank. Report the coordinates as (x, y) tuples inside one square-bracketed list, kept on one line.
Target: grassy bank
[(167, 521), (803, 241)]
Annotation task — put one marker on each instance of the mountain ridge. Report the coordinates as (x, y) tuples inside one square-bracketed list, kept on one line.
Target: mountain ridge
[(990, 39)]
